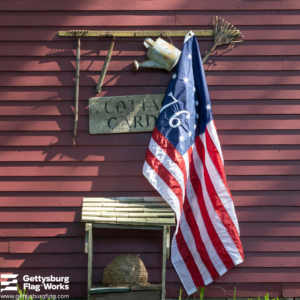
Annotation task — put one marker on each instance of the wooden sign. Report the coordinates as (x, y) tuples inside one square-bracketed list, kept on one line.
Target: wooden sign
[(124, 113)]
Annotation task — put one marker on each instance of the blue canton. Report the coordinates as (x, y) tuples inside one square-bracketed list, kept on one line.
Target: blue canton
[(186, 108)]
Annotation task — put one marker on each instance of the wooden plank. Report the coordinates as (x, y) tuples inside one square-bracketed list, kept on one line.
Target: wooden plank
[(216, 92), (68, 260), (138, 153), (143, 18), (120, 169), (76, 245), (92, 5), (124, 64), (124, 113), (143, 78), (128, 226), (136, 49), (63, 138), (65, 108), (37, 215), (74, 199), (67, 230), (262, 168), (136, 245), (137, 33), (64, 123), (235, 275), (256, 229), (89, 229), (255, 33), (4, 245), (244, 213), (291, 290), (105, 184)]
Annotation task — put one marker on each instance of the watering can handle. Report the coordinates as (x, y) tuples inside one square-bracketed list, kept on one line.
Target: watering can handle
[(148, 43)]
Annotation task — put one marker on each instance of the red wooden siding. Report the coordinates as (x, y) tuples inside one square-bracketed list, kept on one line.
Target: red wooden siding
[(255, 97)]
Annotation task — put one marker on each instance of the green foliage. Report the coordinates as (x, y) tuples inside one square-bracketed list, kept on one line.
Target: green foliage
[(24, 296), (179, 298), (202, 290)]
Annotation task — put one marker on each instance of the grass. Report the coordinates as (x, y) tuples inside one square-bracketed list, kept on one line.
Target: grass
[(201, 292), (24, 296)]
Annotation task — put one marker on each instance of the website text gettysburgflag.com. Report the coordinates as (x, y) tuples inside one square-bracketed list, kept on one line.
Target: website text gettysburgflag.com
[(34, 284)]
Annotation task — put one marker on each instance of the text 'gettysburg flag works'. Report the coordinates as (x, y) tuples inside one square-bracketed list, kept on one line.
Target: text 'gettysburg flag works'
[(185, 165)]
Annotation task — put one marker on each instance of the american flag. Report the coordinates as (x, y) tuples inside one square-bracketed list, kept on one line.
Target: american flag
[(184, 163)]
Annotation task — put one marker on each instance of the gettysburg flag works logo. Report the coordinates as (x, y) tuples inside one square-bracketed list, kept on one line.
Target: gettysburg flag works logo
[(9, 285)]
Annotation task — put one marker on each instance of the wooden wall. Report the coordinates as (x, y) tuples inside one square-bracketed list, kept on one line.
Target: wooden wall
[(256, 104)]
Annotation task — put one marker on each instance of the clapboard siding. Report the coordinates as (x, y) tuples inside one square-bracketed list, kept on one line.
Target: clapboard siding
[(254, 89), (237, 137), (71, 214)]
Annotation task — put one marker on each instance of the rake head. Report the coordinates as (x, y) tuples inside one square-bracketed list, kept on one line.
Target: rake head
[(224, 33)]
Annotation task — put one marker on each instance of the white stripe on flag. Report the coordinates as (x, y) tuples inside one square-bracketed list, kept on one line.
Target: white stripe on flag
[(177, 259), (169, 164), (219, 186), (190, 241), (163, 189), (210, 126), (217, 223), (212, 253), (182, 270)]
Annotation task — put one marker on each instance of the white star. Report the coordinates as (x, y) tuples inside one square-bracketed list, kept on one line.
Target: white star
[(181, 138), (197, 116), (185, 80), (174, 76), (208, 107), (190, 134), (189, 56), (195, 126), (194, 89), (197, 103), (188, 116)]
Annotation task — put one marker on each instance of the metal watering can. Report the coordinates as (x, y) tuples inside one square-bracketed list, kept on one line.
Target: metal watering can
[(161, 55)]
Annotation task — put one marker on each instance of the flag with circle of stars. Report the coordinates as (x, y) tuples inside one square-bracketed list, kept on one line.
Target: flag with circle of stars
[(188, 86), (184, 163)]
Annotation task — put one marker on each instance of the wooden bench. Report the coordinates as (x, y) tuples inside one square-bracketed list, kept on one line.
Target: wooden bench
[(148, 213)]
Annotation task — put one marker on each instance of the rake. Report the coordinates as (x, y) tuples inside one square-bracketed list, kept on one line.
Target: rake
[(224, 34)]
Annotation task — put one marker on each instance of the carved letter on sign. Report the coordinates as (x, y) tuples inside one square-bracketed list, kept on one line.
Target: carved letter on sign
[(124, 113)]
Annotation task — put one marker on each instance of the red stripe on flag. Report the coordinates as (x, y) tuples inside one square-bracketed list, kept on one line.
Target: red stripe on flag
[(215, 239), (188, 259), (170, 150), (216, 202), (190, 218), (165, 175), (172, 183), (216, 158)]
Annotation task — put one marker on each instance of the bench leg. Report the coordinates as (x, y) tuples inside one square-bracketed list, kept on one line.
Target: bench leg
[(89, 233), (163, 292)]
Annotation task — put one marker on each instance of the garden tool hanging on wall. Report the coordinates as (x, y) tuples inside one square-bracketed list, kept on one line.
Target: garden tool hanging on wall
[(106, 63), (78, 34), (161, 55), (224, 34)]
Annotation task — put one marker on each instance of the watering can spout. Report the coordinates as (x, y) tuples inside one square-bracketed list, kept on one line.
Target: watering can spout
[(146, 64), (161, 55)]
